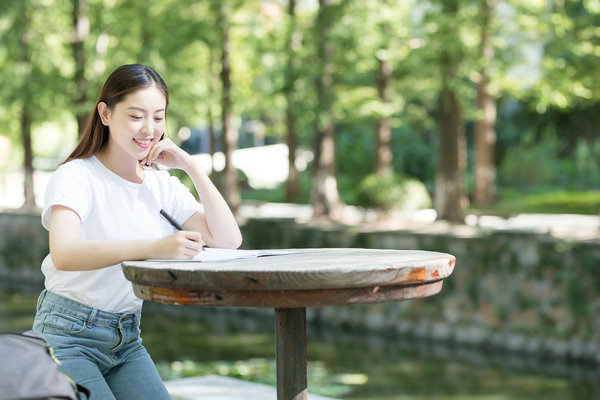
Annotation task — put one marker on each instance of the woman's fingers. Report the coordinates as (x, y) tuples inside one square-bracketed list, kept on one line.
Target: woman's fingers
[(166, 153), (182, 244), (156, 150)]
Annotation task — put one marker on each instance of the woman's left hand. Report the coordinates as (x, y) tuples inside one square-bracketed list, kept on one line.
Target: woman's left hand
[(167, 153)]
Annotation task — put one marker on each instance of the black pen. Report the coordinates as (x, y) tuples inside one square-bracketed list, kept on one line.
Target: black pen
[(172, 221)]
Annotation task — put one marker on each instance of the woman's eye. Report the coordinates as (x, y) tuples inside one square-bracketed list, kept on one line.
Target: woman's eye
[(136, 117), (158, 119)]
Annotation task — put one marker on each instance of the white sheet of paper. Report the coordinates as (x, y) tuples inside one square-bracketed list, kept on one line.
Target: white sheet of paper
[(212, 254)]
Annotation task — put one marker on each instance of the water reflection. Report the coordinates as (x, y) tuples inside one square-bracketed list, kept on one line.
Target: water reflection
[(371, 367)]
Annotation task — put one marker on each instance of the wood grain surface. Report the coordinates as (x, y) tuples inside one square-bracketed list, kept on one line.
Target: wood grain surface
[(306, 278), (286, 298), (308, 269)]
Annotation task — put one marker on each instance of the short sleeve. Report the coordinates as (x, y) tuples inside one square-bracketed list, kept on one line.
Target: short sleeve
[(183, 202), (69, 187)]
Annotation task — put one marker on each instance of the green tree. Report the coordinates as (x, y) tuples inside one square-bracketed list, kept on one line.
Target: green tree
[(33, 79), (374, 77), (24, 59), (81, 32), (549, 89), (375, 83), (568, 31), (485, 133), (294, 41), (449, 198), (325, 197), (230, 133)]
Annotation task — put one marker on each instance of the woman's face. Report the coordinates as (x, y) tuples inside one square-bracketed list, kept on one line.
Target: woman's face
[(135, 123)]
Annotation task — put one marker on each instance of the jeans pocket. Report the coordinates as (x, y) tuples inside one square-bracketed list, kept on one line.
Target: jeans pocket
[(40, 300), (61, 323)]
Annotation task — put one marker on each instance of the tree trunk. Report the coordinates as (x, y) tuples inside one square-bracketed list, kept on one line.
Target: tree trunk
[(211, 124), (26, 116), (292, 185), (28, 184), (450, 201), (383, 134), (325, 198), (211, 141), (81, 32), (230, 135), (485, 135)]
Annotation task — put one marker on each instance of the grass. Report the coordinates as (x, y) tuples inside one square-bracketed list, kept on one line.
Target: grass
[(546, 202)]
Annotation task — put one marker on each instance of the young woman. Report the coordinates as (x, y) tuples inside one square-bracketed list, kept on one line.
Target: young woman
[(102, 207)]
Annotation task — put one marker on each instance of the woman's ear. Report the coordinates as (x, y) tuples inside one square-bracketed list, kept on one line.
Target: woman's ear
[(103, 112)]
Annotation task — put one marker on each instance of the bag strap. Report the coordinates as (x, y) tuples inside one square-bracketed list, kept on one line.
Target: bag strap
[(82, 390)]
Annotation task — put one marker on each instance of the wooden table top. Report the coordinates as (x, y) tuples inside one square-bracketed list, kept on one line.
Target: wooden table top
[(306, 278)]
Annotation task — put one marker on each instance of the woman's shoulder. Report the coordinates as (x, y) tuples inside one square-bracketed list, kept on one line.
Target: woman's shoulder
[(78, 163), (81, 167)]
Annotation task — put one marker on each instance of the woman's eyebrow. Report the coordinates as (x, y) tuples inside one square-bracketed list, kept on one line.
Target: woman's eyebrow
[(143, 109)]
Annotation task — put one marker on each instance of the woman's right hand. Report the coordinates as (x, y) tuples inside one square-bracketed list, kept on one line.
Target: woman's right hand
[(180, 245)]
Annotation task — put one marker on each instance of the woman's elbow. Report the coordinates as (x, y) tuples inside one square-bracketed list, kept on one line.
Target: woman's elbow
[(60, 259), (232, 242), (237, 238), (61, 263), (237, 242)]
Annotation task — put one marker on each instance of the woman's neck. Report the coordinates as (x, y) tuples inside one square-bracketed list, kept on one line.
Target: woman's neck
[(129, 170)]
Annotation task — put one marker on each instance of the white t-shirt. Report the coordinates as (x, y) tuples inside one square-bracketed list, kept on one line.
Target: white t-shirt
[(111, 208)]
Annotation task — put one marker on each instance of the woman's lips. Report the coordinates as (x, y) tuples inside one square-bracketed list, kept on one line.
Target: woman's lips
[(143, 143)]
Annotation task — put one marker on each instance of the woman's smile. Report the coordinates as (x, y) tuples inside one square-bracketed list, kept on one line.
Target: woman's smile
[(143, 143)]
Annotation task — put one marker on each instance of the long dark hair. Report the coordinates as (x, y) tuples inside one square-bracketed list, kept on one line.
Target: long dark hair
[(122, 81)]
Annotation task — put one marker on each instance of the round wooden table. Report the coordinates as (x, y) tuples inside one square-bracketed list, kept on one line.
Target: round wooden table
[(290, 283)]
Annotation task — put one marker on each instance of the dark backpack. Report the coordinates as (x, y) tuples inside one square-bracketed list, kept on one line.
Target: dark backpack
[(29, 370)]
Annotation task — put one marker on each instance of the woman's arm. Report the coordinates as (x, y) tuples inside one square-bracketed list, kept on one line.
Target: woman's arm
[(217, 223), (71, 253)]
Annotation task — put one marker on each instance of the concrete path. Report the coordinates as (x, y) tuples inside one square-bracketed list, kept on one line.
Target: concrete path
[(567, 226), (215, 387)]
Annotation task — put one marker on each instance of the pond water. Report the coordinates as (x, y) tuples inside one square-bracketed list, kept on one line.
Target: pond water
[(346, 365)]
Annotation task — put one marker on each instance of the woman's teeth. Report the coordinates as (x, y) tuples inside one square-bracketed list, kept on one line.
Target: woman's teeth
[(143, 142)]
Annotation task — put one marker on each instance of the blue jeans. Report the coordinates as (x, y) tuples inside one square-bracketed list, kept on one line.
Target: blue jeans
[(99, 350)]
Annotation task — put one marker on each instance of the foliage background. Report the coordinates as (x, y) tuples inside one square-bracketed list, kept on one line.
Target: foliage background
[(544, 79)]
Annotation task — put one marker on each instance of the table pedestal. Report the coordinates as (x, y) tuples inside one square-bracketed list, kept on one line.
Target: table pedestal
[(290, 336)]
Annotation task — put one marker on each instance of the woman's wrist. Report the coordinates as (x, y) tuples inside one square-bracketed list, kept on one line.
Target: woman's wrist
[(189, 163), (194, 170)]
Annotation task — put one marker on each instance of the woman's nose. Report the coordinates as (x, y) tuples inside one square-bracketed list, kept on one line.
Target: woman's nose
[(147, 126)]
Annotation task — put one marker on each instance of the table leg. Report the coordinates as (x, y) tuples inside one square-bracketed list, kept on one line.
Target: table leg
[(290, 335)]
